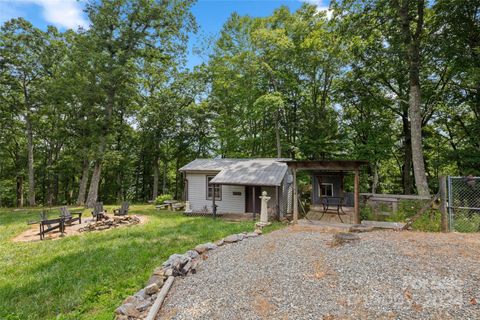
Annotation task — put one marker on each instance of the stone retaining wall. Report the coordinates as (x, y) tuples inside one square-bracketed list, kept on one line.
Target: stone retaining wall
[(138, 305)]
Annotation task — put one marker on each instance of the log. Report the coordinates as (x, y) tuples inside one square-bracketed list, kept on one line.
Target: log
[(152, 313), (421, 212)]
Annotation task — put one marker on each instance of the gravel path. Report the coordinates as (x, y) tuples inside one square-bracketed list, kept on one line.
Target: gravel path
[(295, 273)]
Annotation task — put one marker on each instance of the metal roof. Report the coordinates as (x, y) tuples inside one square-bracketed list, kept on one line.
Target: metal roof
[(254, 172), (209, 164)]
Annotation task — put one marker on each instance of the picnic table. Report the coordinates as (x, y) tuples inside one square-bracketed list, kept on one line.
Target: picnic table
[(333, 203), (170, 204)]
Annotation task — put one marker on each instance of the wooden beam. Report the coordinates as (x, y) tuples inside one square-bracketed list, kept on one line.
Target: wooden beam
[(295, 197), (356, 214), (152, 313), (214, 208), (340, 165), (277, 204), (254, 196)]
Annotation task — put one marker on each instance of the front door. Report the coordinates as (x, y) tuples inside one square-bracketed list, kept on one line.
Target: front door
[(252, 200)]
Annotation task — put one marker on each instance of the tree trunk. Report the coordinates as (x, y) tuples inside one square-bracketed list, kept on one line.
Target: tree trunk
[(82, 190), (20, 191), (417, 149), (277, 134), (164, 185), (412, 41), (119, 186), (94, 183), (31, 170), (155, 179), (375, 177), (97, 169), (407, 180)]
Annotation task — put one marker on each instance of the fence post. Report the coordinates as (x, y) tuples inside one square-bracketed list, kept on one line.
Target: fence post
[(443, 202)]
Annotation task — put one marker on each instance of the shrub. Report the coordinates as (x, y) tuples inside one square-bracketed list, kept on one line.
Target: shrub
[(163, 197), (430, 221)]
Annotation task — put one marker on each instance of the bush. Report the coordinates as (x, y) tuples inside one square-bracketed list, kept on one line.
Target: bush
[(163, 197), (429, 222)]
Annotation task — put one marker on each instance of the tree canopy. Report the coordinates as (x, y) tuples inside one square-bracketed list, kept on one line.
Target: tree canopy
[(111, 112)]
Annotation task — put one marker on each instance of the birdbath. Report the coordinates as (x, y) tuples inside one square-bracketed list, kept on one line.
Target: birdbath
[(263, 211)]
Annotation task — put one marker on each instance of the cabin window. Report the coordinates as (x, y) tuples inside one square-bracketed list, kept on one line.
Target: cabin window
[(326, 189), (213, 187)]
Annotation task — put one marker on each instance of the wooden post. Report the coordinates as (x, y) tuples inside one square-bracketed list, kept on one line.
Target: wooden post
[(152, 313), (295, 197), (254, 203), (443, 202), (214, 206), (277, 196), (356, 215)]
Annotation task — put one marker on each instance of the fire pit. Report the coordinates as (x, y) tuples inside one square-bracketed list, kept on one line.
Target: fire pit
[(109, 223)]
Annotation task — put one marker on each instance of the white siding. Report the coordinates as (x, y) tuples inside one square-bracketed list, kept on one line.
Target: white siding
[(197, 195)]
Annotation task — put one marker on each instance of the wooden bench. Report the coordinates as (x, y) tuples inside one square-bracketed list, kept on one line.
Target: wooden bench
[(178, 206), (46, 225)]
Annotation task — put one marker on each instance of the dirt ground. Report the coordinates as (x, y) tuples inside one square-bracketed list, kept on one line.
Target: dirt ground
[(32, 233)]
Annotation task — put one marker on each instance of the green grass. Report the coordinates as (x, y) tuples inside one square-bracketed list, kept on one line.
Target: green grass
[(88, 276)]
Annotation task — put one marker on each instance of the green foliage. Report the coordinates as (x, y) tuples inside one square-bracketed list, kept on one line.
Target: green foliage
[(163, 197), (116, 97), (465, 222), (87, 276), (429, 222)]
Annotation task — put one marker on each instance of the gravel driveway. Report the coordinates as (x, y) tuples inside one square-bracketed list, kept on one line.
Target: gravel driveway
[(295, 273)]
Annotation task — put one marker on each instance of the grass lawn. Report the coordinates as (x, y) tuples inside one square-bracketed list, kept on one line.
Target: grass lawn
[(88, 276)]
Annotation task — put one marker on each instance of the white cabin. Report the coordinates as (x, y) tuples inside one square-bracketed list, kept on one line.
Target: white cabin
[(237, 185)]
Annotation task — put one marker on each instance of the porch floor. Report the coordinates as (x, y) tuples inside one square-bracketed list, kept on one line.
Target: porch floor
[(331, 215)]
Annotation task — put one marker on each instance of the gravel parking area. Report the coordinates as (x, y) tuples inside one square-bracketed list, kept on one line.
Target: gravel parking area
[(296, 273)]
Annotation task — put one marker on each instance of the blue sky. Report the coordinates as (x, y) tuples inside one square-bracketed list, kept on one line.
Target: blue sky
[(210, 14)]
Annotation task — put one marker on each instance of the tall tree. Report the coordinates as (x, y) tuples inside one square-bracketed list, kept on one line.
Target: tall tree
[(122, 34), (25, 65), (412, 13)]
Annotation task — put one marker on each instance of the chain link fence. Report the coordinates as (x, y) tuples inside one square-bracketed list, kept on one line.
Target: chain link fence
[(464, 203)]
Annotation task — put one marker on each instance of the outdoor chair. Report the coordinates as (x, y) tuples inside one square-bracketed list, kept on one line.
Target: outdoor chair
[(98, 212), (47, 225), (122, 211), (68, 217)]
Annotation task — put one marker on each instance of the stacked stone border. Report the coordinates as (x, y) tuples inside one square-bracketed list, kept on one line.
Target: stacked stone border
[(146, 303)]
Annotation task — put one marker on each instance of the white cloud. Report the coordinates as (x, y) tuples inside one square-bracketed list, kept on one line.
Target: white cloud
[(321, 5), (61, 13)]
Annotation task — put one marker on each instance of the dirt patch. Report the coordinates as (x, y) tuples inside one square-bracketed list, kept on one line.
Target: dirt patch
[(262, 306), (32, 233)]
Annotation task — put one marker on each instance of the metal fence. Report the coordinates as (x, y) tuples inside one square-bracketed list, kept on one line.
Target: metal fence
[(464, 203)]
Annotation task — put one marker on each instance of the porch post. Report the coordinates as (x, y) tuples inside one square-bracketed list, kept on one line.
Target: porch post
[(277, 196), (295, 197), (214, 206), (253, 203), (356, 214)]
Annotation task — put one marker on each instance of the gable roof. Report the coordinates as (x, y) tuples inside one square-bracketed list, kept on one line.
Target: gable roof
[(209, 164), (253, 172)]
